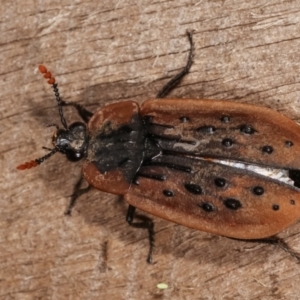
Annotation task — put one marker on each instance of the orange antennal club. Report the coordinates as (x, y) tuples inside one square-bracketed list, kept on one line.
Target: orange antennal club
[(27, 165), (47, 74), (36, 162)]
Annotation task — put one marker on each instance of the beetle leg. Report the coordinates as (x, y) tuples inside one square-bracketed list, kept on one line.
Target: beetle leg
[(274, 240), (176, 79), (77, 192), (82, 111), (145, 223)]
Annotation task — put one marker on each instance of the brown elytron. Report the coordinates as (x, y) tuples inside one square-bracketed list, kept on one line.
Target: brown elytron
[(182, 183)]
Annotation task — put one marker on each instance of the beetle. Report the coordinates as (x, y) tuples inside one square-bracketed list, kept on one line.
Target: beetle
[(204, 164)]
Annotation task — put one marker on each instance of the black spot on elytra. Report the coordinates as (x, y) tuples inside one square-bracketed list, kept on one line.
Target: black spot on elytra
[(206, 129), (193, 188), (227, 142), (168, 193), (289, 143), (225, 119), (168, 165), (295, 176), (267, 149), (167, 138), (247, 129), (220, 182), (208, 207), (258, 190), (162, 125), (232, 203), (184, 119), (275, 207), (153, 176), (292, 202)]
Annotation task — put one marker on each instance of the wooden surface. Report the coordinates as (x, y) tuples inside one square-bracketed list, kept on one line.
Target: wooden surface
[(107, 51)]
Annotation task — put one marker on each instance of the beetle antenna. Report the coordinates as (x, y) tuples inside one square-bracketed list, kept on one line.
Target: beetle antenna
[(36, 162), (51, 80), (46, 148), (53, 125)]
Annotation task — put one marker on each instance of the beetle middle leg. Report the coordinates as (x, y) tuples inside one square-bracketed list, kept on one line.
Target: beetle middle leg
[(82, 111), (145, 223), (176, 79), (77, 192)]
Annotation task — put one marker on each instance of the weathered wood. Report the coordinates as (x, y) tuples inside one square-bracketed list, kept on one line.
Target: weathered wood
[(108, 51)]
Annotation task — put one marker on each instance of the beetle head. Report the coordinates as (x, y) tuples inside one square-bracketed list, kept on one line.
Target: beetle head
[(71, 141)]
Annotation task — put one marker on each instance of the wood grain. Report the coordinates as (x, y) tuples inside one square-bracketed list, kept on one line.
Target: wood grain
[(108, 51)]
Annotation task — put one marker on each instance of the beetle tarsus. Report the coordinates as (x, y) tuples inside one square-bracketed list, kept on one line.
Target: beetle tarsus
[(281, 244), (77, 192), (82, 111), (146, 223), (275, 240), (176, 79)]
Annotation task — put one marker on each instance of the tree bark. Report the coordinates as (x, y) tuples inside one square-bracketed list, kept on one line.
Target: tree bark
[(103, 52)]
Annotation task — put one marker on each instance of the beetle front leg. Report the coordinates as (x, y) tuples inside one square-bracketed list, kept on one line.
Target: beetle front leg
[(145, 223), (82, 111), (77, 192)]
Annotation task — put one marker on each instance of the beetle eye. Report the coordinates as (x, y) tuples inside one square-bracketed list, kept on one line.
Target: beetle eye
[(74, 156)]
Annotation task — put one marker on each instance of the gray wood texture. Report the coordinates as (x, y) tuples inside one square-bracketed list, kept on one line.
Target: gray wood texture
[(107, 51)]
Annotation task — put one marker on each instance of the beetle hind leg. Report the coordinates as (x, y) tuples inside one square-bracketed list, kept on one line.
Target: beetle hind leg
[(274, 240), (82, 111), (145, 223), (176, 79)]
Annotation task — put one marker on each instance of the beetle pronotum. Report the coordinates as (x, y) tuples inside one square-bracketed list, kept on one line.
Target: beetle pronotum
[(199, 163)]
